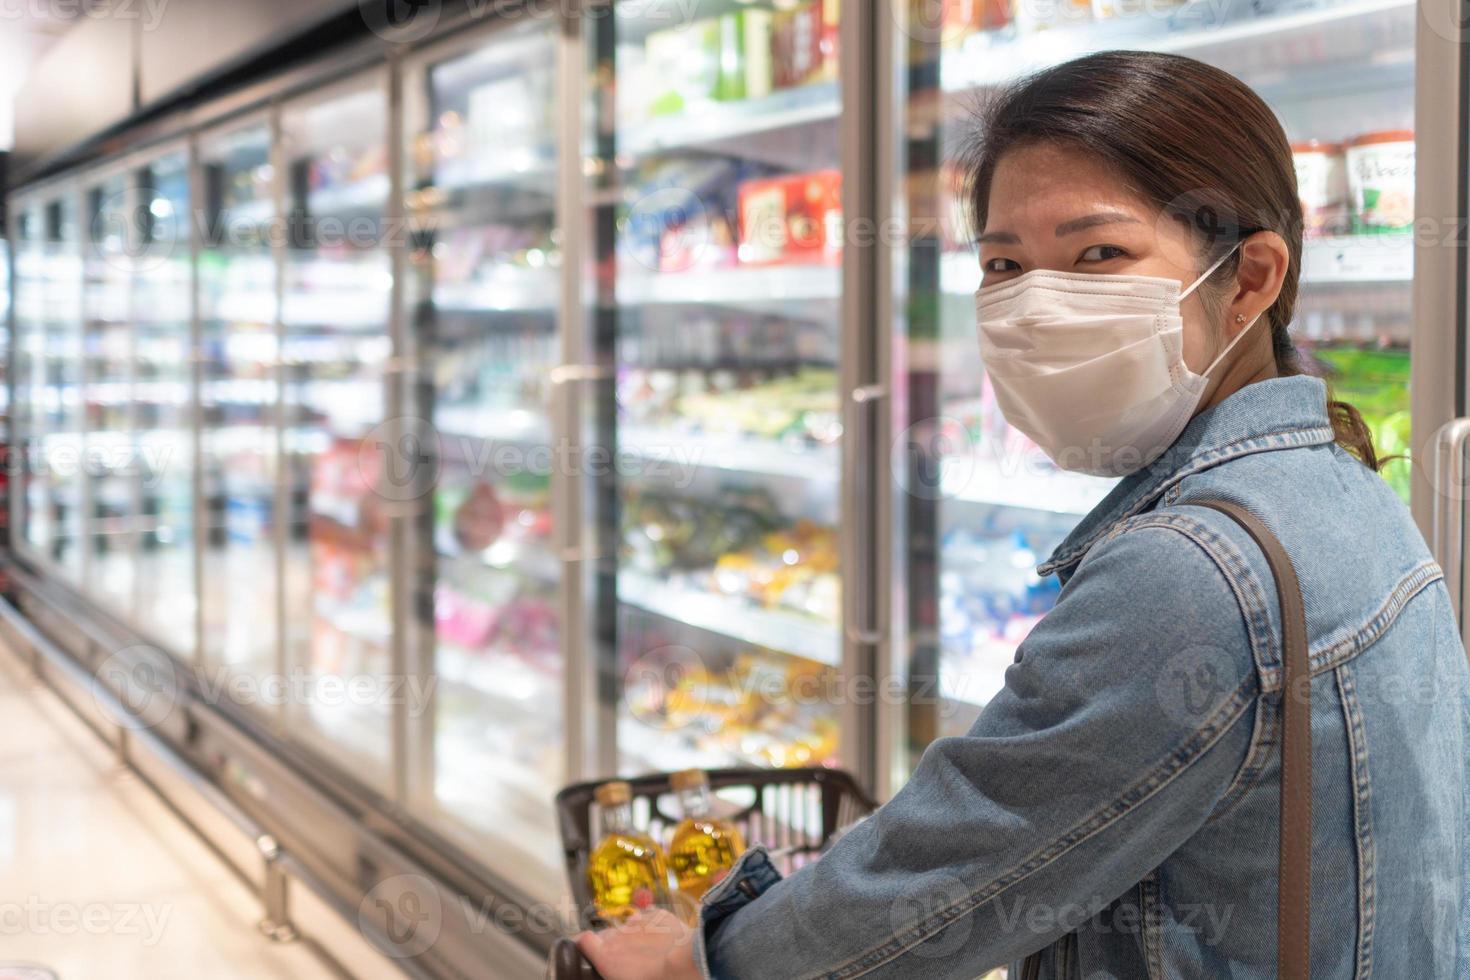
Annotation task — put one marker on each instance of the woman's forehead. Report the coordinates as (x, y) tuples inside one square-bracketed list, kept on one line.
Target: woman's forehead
[(1045, 184)]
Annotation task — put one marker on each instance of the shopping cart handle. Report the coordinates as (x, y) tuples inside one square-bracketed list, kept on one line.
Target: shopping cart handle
[(568, 963)]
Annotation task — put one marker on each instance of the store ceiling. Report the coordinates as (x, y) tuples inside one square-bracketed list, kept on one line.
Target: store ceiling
[(27, 29)]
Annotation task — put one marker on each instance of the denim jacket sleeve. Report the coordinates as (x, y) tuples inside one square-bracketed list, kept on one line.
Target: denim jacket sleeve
[(1125, 719)]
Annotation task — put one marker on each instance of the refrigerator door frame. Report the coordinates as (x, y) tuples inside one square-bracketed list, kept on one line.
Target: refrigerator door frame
[(868, 166), (200, 137), (1440, 356), (295, 724)]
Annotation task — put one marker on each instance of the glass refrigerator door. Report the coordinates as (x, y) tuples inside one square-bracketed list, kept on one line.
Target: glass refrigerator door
[(715, 246), (335, 346), (166, 606), (237, 400), (30, 517), (108, 370), (61, 411), (979, 507), (483, 295)]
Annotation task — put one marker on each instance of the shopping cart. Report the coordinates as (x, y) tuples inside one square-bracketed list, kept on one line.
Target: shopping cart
[(795, 813)]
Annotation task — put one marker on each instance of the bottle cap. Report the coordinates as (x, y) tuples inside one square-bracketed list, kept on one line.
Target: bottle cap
[(615, 793), (688, 779)]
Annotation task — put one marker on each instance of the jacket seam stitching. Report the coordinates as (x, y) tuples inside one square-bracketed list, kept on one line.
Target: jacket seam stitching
[(1347, 688), (1336, 652), (1285, 439), (1250, 598), (1263, 750), (1153, 926), (1333, 653), (1180, 759)]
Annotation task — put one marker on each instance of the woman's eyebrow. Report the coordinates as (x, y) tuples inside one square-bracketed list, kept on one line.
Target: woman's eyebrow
[(1092, 220)]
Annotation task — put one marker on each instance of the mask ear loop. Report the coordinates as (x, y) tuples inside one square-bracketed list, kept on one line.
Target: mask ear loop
[(1215, 265), (1244, 330)]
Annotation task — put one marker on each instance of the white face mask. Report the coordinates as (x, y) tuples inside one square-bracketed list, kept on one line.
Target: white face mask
[(1091, 367)]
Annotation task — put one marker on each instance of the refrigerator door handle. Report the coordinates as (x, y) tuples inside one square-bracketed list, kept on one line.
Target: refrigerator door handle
[(567, 526), (863, 621), (1450, 484)]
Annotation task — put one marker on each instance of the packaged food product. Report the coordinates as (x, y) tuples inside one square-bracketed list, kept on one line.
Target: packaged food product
[(745, 55), (804, 44), (1380, 174), (794, 219), (1321, 184), (684, 63)]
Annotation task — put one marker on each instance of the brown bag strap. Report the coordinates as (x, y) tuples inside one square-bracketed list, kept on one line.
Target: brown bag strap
[(1294, 891), (1294, 894)]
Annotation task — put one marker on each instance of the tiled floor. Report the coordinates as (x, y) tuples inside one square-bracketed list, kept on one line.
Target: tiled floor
[(97, 878)]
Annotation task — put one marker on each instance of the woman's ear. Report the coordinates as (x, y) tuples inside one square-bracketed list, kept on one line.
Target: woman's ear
[(1259, 274)]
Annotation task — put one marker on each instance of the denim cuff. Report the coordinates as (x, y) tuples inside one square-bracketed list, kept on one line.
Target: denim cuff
[(752, 874)]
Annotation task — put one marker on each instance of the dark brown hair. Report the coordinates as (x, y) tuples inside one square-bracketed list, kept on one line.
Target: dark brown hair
[(1191, 138)]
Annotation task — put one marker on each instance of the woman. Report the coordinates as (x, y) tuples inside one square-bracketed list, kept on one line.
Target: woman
[(1115, 806)]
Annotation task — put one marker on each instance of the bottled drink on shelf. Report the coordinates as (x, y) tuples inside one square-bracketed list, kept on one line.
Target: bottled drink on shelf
[(704, 847), (626, 872)]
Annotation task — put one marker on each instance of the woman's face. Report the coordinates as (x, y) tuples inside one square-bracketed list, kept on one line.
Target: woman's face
[(1056, 208)]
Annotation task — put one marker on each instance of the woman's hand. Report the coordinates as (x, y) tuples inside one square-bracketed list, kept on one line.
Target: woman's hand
[(652, 945)]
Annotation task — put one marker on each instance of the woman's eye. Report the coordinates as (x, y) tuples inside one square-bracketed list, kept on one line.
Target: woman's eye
[(1001, 265), (1101, 253)]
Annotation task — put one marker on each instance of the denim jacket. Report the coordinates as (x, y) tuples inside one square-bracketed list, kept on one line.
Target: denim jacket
[(1115, 805)]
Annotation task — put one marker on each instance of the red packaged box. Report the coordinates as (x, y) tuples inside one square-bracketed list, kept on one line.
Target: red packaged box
[(804, 44), (792, 220)]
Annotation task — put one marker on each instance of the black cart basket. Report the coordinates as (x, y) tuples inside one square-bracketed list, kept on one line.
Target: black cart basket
[(795, 813)]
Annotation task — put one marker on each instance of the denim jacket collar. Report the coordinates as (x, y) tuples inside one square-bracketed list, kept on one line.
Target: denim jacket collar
[(1278, 413)]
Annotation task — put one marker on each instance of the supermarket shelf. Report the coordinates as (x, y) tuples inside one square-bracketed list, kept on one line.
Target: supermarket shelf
[(780, 289), (369, 625), (523, 168), (1354, 259), (1328, 32), (732, 120), (514, 425), (367, 194), (652, 749), (773, 629), (703, 451), (505, 288), (255, 212), (1358, 259), (519, 558), (979, 480)]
